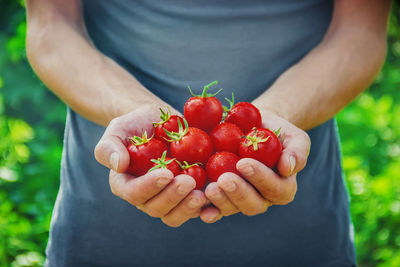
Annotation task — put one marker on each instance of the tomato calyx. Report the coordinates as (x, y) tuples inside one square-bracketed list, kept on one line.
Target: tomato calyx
[(226, 109), (165, 116), (277, 132), (231, 104), (255, 139), (137, 141), (176, 136), (186, 165), (161, 163), (205, 94)]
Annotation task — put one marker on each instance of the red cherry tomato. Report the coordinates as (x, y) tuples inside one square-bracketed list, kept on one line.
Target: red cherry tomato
[(166, 163), (226, 137), (197, 172), (203, 111), (190, 144), (261, 144), (243, 114), (141, 151), (168, 122), (220, 163)]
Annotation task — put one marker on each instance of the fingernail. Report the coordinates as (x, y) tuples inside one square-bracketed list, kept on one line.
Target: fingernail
[(194, 203), (292, 164), (163, 181), (214, 219), (246, 169), (229, 186), (184, 189), (114, 161)]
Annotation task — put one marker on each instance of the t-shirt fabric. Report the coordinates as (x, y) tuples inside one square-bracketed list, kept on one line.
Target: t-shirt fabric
[(167, 46)]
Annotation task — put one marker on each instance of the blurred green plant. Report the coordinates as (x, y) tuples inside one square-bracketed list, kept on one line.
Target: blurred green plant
[(370, 138), (31, 146)]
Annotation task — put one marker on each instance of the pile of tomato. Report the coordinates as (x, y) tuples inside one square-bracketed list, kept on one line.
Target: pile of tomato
[(208, 141)]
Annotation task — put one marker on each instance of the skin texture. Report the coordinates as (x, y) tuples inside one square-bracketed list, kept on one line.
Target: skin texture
[(268, 151), (326, 80), (245, 115), (219, 163), (226, 137)]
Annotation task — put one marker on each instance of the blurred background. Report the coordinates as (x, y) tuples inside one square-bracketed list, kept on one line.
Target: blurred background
[(31, 131)]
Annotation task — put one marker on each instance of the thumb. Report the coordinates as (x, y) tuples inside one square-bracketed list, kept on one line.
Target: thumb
[(112, 153)]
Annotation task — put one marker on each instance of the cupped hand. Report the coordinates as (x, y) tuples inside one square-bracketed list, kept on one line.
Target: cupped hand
[(157, 193), (259, 187)]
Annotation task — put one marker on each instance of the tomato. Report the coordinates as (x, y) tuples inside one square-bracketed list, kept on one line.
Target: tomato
[(168, 122), (220, 163), (261, 144), (166, 163), (226, 137), (203, 111), (141, 151), (243, 114), (197, 172), (190, 144)]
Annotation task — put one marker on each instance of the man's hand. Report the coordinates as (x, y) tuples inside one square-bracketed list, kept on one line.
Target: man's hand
[(260, 186), (157, 193)]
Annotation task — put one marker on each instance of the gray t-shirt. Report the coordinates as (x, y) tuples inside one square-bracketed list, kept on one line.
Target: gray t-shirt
[(168, 45)]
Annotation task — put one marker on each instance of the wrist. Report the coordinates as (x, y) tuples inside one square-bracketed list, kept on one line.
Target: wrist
[(268, 110)]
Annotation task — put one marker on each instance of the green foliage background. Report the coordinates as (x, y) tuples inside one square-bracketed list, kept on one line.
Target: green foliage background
[(31, 130)]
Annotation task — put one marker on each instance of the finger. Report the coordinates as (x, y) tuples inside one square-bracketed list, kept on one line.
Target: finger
[(271, 186), (139, 190), (163, 203), (220, 200), (242, 194), (210, 214), (188, 208), (111, 153), (296, 147), (111, 150)]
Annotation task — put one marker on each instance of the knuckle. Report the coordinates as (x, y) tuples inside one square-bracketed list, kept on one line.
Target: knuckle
[(100, 152), (306, 137), (289, 196), (239, 195), (286, 201), (170, 200), (273, 191), (114, 191), (112, 183), (97, 150), (113, 122), (130, 198), (302, 158), (138, 192), (249, 212), (255, 210), (153, 212)]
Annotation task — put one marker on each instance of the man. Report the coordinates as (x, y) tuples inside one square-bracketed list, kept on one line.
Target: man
[(116, 62)]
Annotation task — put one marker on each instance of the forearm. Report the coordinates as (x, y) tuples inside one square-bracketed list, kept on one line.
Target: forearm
[(330, 76), (64, 59)]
